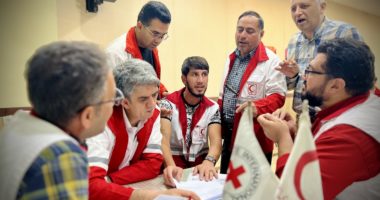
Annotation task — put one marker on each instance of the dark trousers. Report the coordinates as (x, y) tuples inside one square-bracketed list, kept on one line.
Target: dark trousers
[(226, 153)]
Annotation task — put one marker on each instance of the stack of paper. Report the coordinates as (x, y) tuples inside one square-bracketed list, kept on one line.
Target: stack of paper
[(210, 190)]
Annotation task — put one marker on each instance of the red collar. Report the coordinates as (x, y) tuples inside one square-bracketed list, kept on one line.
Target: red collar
[(260, 56), (176, 98), (132, 48)]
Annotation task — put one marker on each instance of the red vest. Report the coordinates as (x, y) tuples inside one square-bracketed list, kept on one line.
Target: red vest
[(133, 48), (118, 128)]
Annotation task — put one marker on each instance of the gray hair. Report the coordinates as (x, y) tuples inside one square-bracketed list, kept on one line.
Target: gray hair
[(133, 73), (65, 77)]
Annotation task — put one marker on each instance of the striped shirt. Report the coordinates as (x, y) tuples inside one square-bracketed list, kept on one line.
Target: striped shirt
[(302, 50), (59, 172)]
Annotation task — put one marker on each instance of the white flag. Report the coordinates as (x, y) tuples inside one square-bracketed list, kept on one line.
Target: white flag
[(301, 178), (249, 173)]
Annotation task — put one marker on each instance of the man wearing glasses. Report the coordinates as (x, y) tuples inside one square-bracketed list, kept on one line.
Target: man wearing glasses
[(72, 91), (129, 150), (142, 40), (346, 130), (249, 75), (71, 88)]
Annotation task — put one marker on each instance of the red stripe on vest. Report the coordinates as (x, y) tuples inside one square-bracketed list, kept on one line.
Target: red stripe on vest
[(118, 128), (176, 98), (133, 48)]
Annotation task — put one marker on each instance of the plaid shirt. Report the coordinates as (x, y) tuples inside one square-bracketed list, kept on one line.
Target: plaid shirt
[(59, 172), (233, 84), (303, 50)]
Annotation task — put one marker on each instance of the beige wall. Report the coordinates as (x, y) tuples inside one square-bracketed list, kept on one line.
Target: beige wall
[(199, 27), (24, 26)]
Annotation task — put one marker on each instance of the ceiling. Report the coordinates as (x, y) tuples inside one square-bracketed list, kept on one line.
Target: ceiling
[(368, 6)]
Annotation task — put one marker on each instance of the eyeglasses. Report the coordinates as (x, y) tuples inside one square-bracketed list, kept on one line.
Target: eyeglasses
[(308, 71), (119, 96), (156, 34)]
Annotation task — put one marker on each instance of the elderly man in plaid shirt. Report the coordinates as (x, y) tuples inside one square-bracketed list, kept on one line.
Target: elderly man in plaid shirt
[(315, 28)]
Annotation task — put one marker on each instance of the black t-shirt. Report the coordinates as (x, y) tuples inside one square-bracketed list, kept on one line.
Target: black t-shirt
[(147, 55)]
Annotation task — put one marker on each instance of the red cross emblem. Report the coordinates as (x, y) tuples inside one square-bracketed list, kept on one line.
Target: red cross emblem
[(233, 175)]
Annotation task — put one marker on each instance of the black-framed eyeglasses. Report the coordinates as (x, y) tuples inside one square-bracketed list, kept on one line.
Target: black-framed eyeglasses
[(119, 97), (157, 35), (309, 71)]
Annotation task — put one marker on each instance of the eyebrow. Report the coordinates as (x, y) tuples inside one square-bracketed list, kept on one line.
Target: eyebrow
[(145, 97)]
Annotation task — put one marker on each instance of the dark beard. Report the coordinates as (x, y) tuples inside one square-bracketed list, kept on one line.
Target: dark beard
[(193, 93), (313, 100)]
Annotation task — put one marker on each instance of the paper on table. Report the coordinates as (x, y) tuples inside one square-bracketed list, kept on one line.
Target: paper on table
[(211, 190)]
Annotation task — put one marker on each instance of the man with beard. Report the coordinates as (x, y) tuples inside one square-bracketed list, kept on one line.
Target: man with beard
[(346, 131), (194, 121), (249, 75)]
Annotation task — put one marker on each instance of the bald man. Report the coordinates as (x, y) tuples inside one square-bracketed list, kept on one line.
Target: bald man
[(315, 28)]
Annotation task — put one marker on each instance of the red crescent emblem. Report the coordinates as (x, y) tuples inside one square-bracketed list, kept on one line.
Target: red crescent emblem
[(305, 158), (202, 132), (251, 88)]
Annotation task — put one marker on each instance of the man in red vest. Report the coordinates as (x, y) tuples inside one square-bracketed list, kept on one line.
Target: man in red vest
[(192, 133), (249, 75), (129, 150), (346, 131), (142, 40)]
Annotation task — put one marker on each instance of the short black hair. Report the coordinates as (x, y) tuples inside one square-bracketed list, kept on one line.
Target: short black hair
[(153, 10), (195, 62), (351, 60), (255, 14)]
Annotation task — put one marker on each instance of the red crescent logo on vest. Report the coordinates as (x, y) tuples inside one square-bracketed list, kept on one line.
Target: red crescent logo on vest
[(202, 132), (252, 88), (305, 159)]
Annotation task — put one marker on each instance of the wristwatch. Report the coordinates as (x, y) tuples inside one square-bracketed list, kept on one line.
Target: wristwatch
[(211, 159)]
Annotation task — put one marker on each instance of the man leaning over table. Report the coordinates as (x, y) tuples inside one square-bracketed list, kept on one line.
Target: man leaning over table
[(129, 150), (142, 40), (194, 122)]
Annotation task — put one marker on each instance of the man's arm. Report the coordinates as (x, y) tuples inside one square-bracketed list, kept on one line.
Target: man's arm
[(214, 134), (101, 189), (277, 130), (171, 170), (141, 194), (207, 169), (346, 155), (99, 150), (166, 135), (166, 131)]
